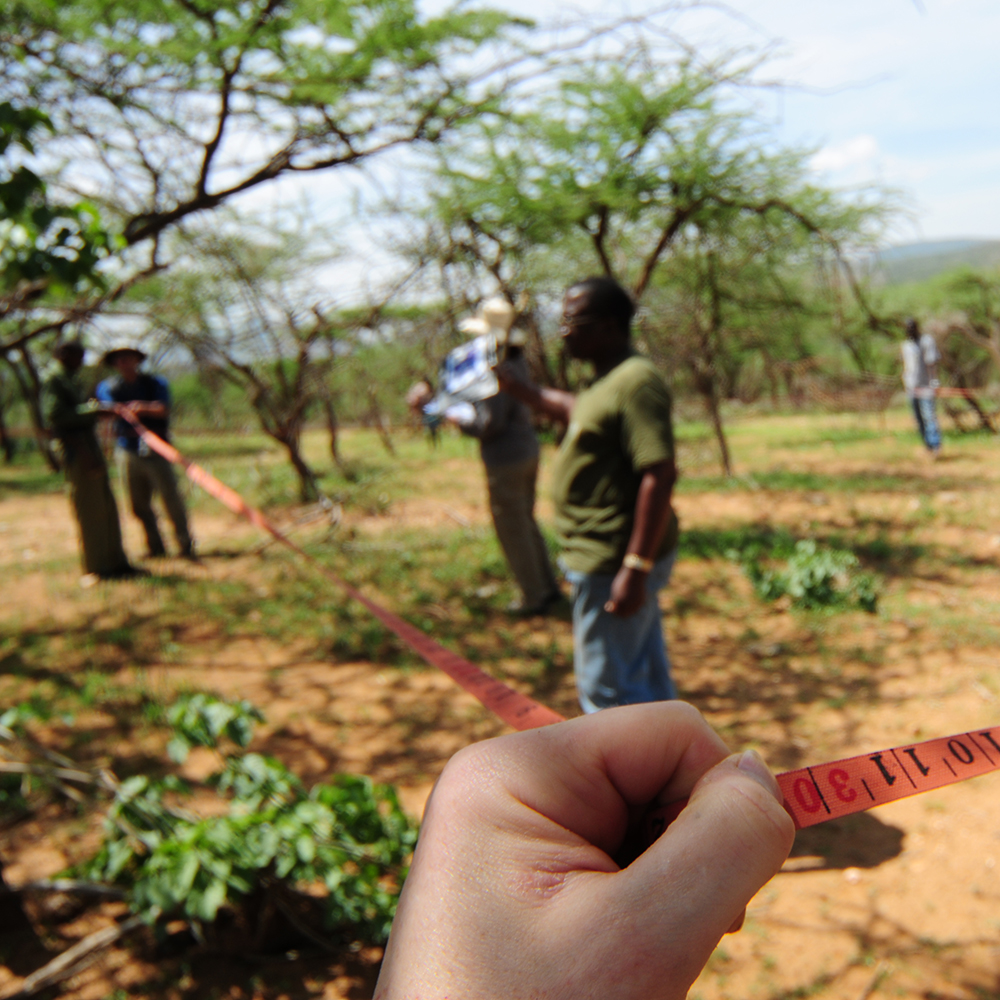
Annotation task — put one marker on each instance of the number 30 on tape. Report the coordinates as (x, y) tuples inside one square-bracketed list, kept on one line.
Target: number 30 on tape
[(827, 791)]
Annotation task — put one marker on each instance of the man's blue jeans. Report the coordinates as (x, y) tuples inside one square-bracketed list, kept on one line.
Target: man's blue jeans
[(924, 411), (619, 661)]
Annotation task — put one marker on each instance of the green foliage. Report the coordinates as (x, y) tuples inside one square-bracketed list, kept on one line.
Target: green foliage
[(41, 241), (349, 835), (14, 719), (745, 543), (816, 577), (203, 720), (165, 93), (656, 174)]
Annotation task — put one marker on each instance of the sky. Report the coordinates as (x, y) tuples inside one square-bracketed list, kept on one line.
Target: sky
[(903, 93), (897, 93)]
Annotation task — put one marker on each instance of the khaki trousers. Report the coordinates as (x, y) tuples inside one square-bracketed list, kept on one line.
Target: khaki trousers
[(96, 514), (512, 504), (146, 475)]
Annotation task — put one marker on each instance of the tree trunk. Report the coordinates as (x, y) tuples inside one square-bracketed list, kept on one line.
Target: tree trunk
[(989, 344), (31, 392), (307, 478), (711, 399), (381, 425), (6, 442), (706, 387), (538, 361), (333, 426), (308, 490)]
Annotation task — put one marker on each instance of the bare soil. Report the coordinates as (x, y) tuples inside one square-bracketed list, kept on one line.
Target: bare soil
[(901, 901)]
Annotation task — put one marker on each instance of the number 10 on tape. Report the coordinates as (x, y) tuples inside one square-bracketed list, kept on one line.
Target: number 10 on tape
[(827, 791)]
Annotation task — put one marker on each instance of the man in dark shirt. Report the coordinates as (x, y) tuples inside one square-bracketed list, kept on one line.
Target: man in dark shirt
[(71, 420), (144, 472), (612, 483)]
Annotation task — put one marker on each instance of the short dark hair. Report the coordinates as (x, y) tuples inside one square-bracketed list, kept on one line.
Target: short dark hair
[(912, 329), (608, 300), (64, 347)]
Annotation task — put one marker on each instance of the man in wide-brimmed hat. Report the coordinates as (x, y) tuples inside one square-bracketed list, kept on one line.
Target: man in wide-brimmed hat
[(144, 472), (71, 420)]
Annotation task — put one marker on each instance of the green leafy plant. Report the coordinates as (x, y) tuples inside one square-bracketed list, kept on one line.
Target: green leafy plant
[(332, 858), (201, 720), (816, 577)]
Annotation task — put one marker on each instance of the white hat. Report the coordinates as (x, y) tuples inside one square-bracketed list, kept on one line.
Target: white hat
[(495, 317)]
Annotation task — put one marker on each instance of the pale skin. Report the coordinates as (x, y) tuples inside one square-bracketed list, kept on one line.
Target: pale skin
[(601, 342), (514, 890)]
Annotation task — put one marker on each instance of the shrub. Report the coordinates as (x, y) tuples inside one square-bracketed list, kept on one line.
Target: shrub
[(332, 859), (816, 577)]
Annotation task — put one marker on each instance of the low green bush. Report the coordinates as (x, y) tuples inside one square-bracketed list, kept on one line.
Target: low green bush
[(816, 577), (332, 858)]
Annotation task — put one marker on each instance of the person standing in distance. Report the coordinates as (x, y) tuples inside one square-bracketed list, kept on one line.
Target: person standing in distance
[(920, 358), (612, 483), (71, 420), (509, 449), (145, 473)]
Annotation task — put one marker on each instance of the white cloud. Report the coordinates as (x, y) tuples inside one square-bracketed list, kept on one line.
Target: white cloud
[(860, 151)]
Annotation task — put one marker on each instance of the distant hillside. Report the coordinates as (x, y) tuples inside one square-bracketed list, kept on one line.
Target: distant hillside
[(920, 261)]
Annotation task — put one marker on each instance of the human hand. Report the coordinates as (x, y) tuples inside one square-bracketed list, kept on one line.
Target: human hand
[(419, 395), (628, 592), (514, 891), (508, 375)]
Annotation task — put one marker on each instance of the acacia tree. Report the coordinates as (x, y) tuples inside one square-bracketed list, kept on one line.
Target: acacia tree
[(975, 299), (164, 109), (161, 110), (176, 106), (247, 306), (653, 175)]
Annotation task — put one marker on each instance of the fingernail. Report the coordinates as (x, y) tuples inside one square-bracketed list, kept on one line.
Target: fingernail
[(752, 764)]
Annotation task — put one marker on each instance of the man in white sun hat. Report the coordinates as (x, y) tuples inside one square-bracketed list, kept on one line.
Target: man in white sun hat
[(509, 450), (144, 473)]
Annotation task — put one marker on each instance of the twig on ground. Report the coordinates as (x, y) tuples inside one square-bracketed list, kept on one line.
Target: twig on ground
[(883, 970), (67, 885), (74, 959), (454, 514)]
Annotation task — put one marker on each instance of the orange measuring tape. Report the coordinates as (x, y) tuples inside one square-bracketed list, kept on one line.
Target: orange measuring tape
[(828, 791), (812, 794), (516, 709)]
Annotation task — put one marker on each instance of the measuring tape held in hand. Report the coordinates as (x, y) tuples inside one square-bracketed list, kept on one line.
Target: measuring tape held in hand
[(812, 794), (829, 791)]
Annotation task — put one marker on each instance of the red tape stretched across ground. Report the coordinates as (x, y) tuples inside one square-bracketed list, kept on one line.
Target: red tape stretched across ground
[(812, 794), (516, 709)]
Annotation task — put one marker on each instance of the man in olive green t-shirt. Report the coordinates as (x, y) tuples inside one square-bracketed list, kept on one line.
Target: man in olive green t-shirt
[(612, 483), (71, 420)]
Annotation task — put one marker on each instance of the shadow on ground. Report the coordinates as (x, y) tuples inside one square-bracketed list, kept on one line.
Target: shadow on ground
[(859, 841)]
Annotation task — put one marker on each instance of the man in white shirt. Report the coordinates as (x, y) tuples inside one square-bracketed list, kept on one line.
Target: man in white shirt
[(920, 358)]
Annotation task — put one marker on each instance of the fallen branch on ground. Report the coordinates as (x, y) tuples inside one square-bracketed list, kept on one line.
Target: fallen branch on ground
[(74, 959)]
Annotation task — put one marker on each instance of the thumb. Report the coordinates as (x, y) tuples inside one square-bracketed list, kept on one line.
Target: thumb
[(730, 839)]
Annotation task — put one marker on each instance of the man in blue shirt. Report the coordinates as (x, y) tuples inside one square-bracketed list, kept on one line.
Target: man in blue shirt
[(144, 472)]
